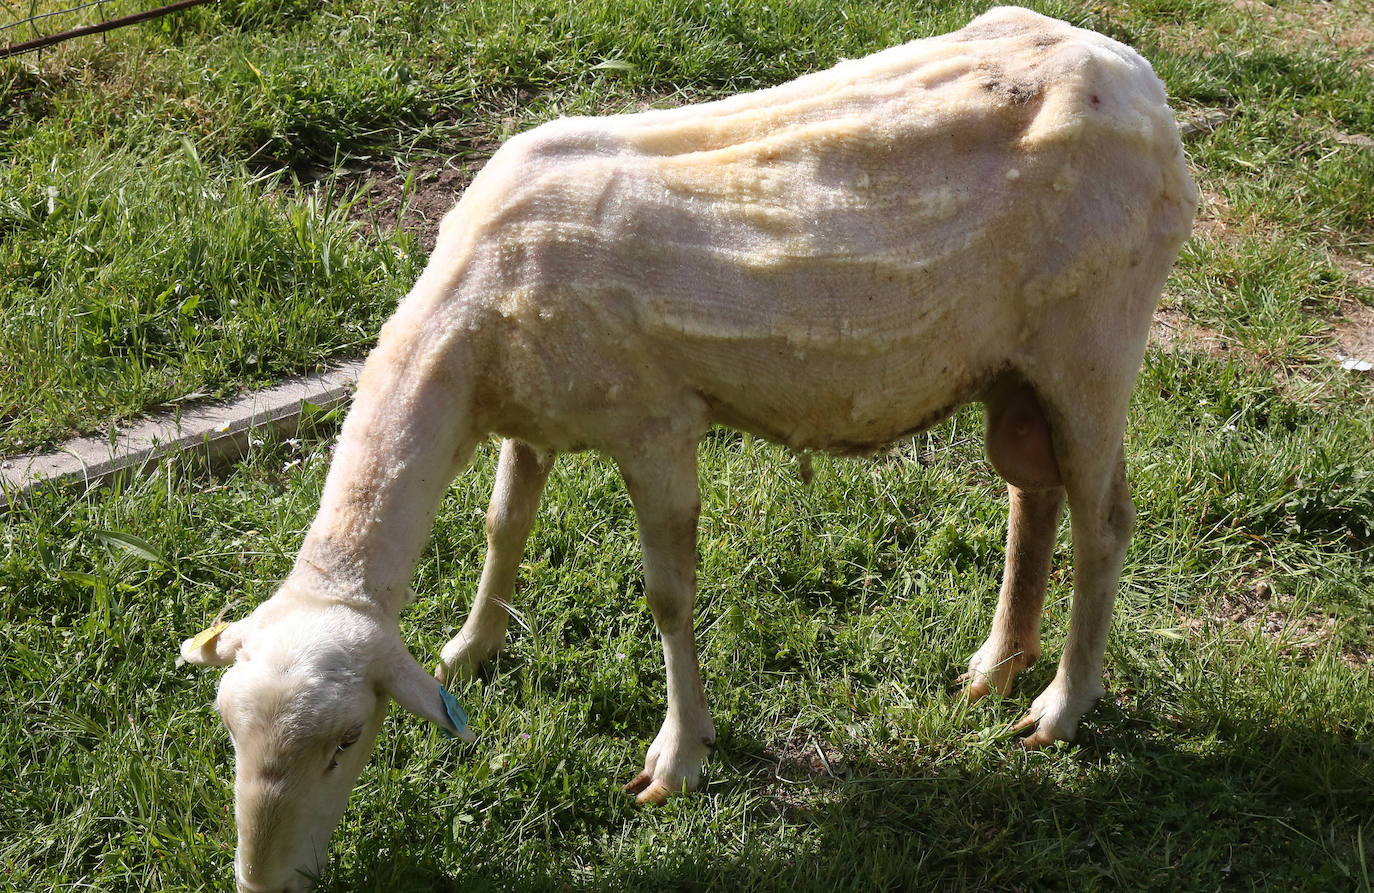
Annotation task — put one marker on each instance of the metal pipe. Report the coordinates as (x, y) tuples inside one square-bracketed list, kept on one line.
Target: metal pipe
[(15, 49)]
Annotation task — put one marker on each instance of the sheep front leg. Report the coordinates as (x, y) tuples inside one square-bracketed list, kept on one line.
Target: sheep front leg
[(520, 476), (663, 489)]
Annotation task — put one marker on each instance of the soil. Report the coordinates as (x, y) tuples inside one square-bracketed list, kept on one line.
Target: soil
[(1355, 332), (1172, 328), (1260, 610), (1212, 214), (436, 185), (1318, 21), (794, 769)]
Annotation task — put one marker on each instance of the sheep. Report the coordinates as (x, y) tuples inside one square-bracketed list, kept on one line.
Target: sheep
[(833, 263)]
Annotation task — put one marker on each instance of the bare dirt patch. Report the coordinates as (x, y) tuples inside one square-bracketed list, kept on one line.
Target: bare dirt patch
[(1344, 25), (1347, 25), (1354, 332), (1173, 329), (793, 769), (1293, 23), (1258, 610), (1316, 24), (1213, 220), (389, 205), (1359, 38), (1361, 272)]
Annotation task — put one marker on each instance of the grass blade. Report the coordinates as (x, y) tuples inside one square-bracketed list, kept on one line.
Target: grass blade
[(134, 545)]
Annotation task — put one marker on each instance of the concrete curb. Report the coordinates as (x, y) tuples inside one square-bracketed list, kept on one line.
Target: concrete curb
[(219, 431)]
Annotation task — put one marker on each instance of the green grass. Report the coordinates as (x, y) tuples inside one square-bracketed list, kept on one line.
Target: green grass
[(832, 616), (133, 286), (174, 218)]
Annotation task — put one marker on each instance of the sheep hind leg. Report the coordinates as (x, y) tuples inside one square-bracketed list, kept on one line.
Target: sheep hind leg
[(1086, 369), (663, 488), (520, 476), (1013, 642), (1102, 517), (1019, 445)]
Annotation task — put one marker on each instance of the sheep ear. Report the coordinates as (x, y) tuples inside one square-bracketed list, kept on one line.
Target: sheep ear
[(213, 647), (421, 694)]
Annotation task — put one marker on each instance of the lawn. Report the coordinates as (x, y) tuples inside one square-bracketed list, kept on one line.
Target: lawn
[(211, 201)]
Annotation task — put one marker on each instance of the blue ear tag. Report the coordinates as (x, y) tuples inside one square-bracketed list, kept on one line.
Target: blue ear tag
[(456, 716)]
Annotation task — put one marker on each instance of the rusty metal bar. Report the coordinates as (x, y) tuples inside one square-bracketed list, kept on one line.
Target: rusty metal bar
[(39, 43), (29, 20)]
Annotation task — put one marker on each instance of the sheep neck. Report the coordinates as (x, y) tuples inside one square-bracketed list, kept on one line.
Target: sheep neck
[(405, 437)]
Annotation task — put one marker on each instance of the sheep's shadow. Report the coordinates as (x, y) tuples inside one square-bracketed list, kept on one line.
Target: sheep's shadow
[(1124, 807)]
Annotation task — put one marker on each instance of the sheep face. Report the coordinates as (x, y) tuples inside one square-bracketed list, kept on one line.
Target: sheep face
[(301, 736), (303, 700)]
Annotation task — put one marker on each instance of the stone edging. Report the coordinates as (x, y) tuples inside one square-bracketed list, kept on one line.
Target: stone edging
[(219, 430)]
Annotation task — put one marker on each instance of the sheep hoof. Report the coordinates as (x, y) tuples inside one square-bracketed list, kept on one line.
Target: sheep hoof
[(1055, 714), (1044, 734), (987, 674), (462, 657), (673, 764), (647, 791), (975, 688), (454, 672), (1039, 739)]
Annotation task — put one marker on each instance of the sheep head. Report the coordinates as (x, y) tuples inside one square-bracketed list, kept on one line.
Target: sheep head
[(306, 691)]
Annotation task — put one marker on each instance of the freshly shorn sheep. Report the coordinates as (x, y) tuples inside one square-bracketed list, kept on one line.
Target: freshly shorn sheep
[(833, 264)]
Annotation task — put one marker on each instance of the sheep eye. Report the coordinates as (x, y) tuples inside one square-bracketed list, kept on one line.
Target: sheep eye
[(349, 740)]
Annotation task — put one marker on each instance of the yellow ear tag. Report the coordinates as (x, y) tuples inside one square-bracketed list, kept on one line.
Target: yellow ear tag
[(206, 636)]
